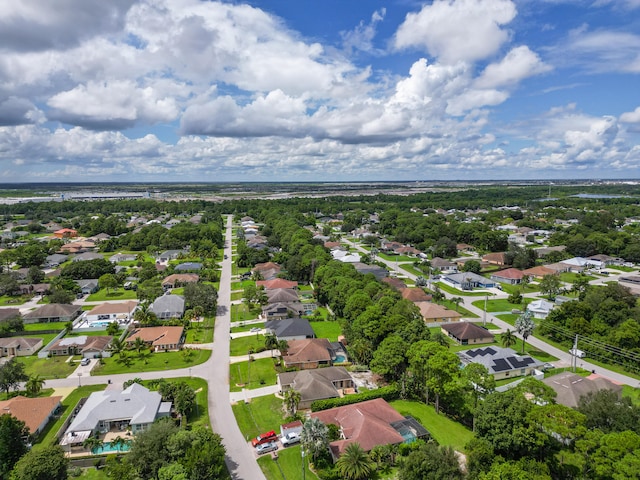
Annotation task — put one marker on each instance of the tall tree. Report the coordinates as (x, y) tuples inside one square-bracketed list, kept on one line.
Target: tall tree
[(480, 383), (508, 339), (550, 286), (291, 401), (315, 438), (354, 463), (524, 326), (431, 462), (443, 368), (48, 463), (12, 444), (11, 374), (34, 385)]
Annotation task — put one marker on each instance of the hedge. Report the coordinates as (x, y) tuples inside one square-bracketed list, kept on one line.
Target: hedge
[(388, 393)]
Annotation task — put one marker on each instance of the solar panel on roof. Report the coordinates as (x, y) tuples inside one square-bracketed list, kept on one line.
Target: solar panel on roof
[(500, 364), (520, 362)]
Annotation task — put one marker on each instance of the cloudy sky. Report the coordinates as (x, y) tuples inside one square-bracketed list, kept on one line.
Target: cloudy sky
[(303, 90)]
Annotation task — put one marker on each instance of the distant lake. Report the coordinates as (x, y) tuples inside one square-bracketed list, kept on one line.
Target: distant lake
[(597, 195)]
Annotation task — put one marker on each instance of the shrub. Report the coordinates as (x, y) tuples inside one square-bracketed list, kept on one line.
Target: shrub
[(390, 392)]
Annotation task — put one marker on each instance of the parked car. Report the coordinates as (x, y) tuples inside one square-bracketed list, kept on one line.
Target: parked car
[(264, 438), (290, 438), (85, 361), (266, 447), (255, 329)]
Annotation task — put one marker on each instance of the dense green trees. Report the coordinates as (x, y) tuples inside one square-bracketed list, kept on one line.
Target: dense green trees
[(47, 463), (201, 295), (11, 374), (12, 443), (431, 462)]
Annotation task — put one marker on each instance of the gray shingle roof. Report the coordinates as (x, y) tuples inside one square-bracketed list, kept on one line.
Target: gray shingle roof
[(290, 327)]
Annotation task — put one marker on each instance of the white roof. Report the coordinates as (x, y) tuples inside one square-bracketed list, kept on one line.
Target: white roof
[(79, 340)]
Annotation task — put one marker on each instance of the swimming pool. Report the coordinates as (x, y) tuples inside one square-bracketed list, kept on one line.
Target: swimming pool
[(340, 358), (108, 448)]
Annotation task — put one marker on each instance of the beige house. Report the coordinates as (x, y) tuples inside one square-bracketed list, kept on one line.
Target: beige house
[(161, 339), (19, 346), (466, 333), (434, 313), (34, 412)]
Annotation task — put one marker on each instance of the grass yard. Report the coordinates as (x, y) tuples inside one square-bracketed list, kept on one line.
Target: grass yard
[(242, 312), (460, 309), (260, 415), (488, 326), (201, 332), (34, 327), (261, 374), (92, 473), (47, 368), (245, 328), (242, 284), (152, 362), (621, 268), (510, 289), (570, 277), (396, 258), (328, 330), (287, 465), (510, 318), (633, 393), (119, 294), (444, 430), (48, 437), (501, 305), (237, 295), (200, 415), (242, 345), (7, 300), (460, 293), (408, 267)]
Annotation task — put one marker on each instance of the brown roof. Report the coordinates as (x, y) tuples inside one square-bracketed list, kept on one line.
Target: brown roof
[(539, 271), (415, 294), (114, 308), (434, 311), (162, 335), (510, 273), (395, 283), (261, 267), (181, 278), (331, 245), (53, 310), (21, 342), (83, 342), (570, 387), (32, 411), (466, 331), (367, 423), (308, 350), (7, 313), (499, 257), (276, 283)]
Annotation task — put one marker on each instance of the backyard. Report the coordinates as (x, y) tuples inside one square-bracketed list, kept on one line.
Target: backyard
[(326, 329), (119, 294)]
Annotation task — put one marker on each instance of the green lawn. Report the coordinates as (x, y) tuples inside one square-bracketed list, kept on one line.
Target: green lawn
[(458, 293), (201, 332), (242, 284), (408, 267), (501, 305), (396, 258), (510, 318), (200, 415), (34, 327), (245, 328), (241, 312), (530, 288), (152, 362), (260, 415), (622, 268), (328, 330), (47, 368), (633, 393), (287, 465), (7, 300), (444, 430), (242, 345), (452, 306), (262, 373), (237, 295), (570, 277), (92, 473), (48, 436), (119, 294)]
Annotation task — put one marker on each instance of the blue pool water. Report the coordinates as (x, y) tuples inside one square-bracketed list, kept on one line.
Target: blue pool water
[(107, 448), (340, 359)]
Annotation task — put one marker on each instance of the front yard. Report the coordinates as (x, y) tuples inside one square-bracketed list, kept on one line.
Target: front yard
[(242, 345), (259, 373), (47, 368), (119, 294), (150, 362)]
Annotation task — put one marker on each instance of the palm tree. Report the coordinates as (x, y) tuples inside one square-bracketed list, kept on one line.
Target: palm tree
[(524, 326), (118, 443), (92, 444), (117, 346), (354, 463), (457, 301), (271, 343), (291, 401), (34, 385), (138, 345), (508, 339), (143, 315), (315, 437)]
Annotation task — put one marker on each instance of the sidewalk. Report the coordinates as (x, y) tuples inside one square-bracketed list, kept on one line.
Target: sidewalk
[(255, 356), (245, 395)]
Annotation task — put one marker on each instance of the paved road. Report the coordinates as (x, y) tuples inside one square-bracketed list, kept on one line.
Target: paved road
[(563, 355)]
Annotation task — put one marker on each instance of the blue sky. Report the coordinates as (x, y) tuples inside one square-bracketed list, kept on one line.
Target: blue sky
[(281, 90)]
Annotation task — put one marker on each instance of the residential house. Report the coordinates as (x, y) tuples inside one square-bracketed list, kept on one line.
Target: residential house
[(53, 312), (179, 279), (395, 283), (539, 272), (88, 286), (512, 276), (606, 260), (434, 313), (82, 257), (188, 267), (35, 288), (544, 251), (580, 264), (375, 270), (123, 257), (283, 295), (53, 261), (443, 265), (290, 329), (19, 346), (415, 294), (498, 258), (410, 251), (88, 346), (65, 233), (34, 412), (570, 387), (468, 281), (466, 333), (268, 271), (369, 424), (162, 339), (275, 311), (168, 306), (9, 313), (135, 408), (501, 362), (320, 384), (308, 353), (465, 248), (77, 247), (345, 257), (170, 255), (120, 312), (540, 308), (276, 283)]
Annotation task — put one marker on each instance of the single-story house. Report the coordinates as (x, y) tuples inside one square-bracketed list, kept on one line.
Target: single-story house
[(445, 266), (415, 294), (86, 256), (53, 312), (375, 270), (290, 329), (308, 353), (276, 283), (188, 267), (283, 295), (539, 272), (579, 264), (65, 233), (570, 387), (466, 333), (320, 384), (540, 308), (281, 311), (268, 270), (168, 306), (79, 246), (179, 279), (464, 247), (134, 408), (34, 412), (434, 313), (112, 312), (9, 313), (88, 346), (171, 255), (500, 362), (498, 258), (369, 424), (53, 261), (544, 251), (19, 346), (512, 276), (606, 260), (468, 281), (35, 288), (395, 283), (162, 338), (88, 286), (123, 257)]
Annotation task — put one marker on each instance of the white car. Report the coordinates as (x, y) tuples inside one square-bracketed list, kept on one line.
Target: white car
[(290, 439), (266, 447), (84, 362), (255, 329)]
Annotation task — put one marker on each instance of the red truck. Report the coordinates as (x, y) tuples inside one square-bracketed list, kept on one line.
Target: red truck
[(264, 437)]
